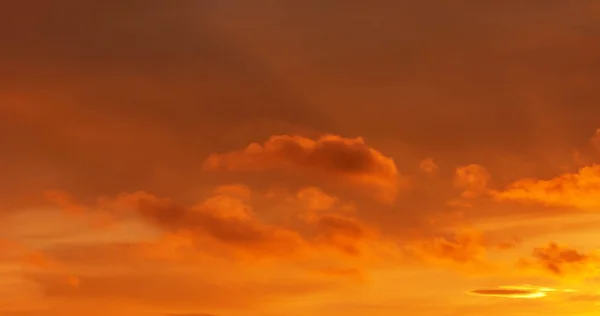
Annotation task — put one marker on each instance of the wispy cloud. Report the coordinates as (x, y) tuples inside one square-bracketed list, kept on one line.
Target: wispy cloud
[(521, 291)]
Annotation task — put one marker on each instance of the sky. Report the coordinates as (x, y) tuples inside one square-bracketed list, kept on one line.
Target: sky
[(300, 158)]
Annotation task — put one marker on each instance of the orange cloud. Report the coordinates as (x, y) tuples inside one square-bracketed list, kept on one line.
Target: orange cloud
[(224, 219), (315, 199), (472, 179), (428, 165), (563, 261), (319, 221), (464, 247), (349, 158), (342, 232), (579, 190), (511, 293), (467, 248)]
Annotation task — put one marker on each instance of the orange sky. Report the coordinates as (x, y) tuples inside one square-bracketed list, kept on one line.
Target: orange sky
[(299, 158)]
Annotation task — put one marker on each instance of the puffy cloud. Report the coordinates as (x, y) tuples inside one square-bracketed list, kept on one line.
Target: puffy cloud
[(427, 165), (228, 219), (349, 158), (579, 190), (472, 179), (563, 261), (222, 218), (315, 199)]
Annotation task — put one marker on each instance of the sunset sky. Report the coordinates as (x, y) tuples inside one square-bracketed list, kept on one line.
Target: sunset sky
[(300, 158)]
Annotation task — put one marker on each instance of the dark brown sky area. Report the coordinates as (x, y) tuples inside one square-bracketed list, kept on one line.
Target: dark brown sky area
[(110, 90)]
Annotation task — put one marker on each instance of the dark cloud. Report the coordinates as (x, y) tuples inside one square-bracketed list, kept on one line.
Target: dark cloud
[(329, 153), (230, 223), (348, 158), (502, 292), (342, 232), (563, 261), (526, 291)]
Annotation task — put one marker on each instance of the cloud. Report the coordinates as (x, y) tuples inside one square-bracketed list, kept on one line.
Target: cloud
[(472, 179), (515, 291), (315, 199), (427, 165), (350, 159), (314, 221), (191, 245), (137, 274), (225, 219), (466, 247), (468, 251), (578, 190), (563, 261), (344, 233)]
